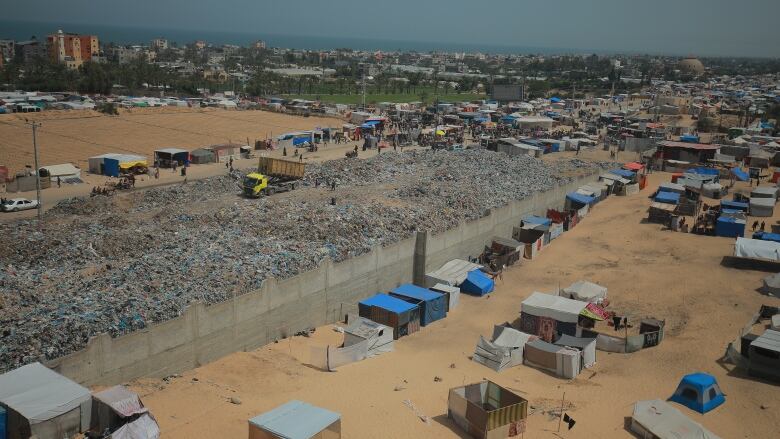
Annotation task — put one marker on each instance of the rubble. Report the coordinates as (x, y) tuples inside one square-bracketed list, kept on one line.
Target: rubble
[(117, 264)]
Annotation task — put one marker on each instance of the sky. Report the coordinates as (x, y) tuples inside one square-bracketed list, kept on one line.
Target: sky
[(676, 27)]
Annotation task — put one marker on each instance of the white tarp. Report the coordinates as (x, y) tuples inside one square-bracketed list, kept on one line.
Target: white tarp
[(585, 291), (121, 400), (453, 293), (379, 337), (772, 283), (764, 192), (504, 350), (145, 427), (657, 418), (452, 273), (757, 249), (554, 307), (762, 207), (711, 189), (586, 345), (65, 170)]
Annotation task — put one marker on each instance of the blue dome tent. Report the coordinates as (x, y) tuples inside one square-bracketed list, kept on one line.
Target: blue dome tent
[(699, 391)]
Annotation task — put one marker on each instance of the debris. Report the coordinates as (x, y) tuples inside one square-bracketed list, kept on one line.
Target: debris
[(235, 400), (417, 413), (398, 388), (437, 379)]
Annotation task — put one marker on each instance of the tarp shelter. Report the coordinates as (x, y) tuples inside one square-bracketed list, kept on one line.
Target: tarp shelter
[(451, 293), (202, 156), (763, 207), (532, 236), (576, 201), (546, 315), (729, 227), (117, 406), (452, 273), (537, 220), (114, 164), (585, 291), (769, 192), (504, 350), (64, 172), (629, 175), (402, 316), (166, 157), (296, 420), (734, 205), (765, 356), (43, 403), (740, 174), (433, 305), (562, 361), (634, 166), (764, 236), (757, 249), (658, 419), (699, 391), (486, 410), (772, 284), (671, 187), (586, 346), (712, 190), (667, 197), (477, 283)]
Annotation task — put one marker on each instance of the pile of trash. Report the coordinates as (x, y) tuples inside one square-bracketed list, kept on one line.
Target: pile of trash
[(118, 264)]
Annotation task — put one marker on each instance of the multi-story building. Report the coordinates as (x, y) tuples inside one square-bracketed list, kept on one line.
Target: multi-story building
[(7, 49), (200, 44), (259, 45), (159, 44), (72, 49), (30, 50)]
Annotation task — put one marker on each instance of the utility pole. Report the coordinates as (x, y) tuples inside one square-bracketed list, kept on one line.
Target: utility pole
[(35, 126), (364, 88)]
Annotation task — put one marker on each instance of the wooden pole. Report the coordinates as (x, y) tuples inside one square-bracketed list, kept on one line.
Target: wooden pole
[(560, 418)]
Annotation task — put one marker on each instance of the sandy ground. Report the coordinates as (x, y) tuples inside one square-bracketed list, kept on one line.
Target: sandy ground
[(649, 272)]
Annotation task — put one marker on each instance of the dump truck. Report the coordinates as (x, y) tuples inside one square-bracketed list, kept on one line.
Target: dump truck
[(272, 176)]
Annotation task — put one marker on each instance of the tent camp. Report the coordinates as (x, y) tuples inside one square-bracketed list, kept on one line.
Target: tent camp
[(757, 249), (452, 294), (763, 207), (587, 347), (699, 391), (452, 273), (585, 291), (487, 411), (765, 355), (433, 305), (504, 350), (546, 315), (296, 420), (402, 316), (121, 411), (562, 361), (43, 403), (658, 419), (477, 283)]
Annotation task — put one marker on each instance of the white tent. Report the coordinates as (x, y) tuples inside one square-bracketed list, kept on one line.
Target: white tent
[(64, 171), (763, 207), (764, 192), (587, 346), (144, 427), (504, 350), (757, 249), (453, 273), (114, 407), (452, 293), (657, 419), (585, 291), (554, 307), (712, 190)]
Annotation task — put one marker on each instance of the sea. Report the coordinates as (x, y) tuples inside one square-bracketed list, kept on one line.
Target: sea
[(24, 30)]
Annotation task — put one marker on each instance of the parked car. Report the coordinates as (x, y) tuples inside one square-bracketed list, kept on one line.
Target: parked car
[(17, 204)]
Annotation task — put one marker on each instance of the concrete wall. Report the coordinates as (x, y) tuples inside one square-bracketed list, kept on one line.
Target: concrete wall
[(282, 308)]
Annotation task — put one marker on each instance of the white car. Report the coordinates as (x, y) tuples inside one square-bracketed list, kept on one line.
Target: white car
[(17, 204)]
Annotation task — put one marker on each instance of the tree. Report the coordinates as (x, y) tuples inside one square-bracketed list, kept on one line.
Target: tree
[(94, 79), (705, 124)]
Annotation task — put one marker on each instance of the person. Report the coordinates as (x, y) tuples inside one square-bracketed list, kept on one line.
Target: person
[(231, 161), (156, 173), (578, 148), (333, 185), (284, 152), (356, 149), (755, 225), (763, 225), (59, 183), (184, 171), (300, 158), (175, 164)]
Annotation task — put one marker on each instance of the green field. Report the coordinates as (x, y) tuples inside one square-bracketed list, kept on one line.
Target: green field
[(373, 98)]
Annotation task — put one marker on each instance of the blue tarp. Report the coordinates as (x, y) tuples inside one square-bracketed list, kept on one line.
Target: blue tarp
[(740, 174), (764, 236), (508, 119), (581, 199), (477, 283), (625, 173), (699, 391), (433, 305), (742, 207), (533, 219), (555, 100), (295, 420), (689, 139), (704, 171), (389, 303), (667, 197), (732, 211), (301, 140), (3, 423), (729, 227), (370, 124)]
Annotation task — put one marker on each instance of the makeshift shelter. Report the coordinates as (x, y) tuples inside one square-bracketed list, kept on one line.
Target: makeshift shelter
[(769, 192), (504, 350), (729, 227), (166, 157), (660, 212), (671, 187), (402, 316), (433, 305), (113, 165), (117, 407), (586, 346), (734, 205), (546, 315), (585, 291), (562, 361), (657, 419), (41, 402), (762, 207), (487, 411), (477, 283), (757, 249), (667, 197), (363, 338), (577, 201), (452, 273), (503, 252), (764, 236), (772, 284), (713, 190), (532, 236), (201, 156), (451, 293), (66, 172), (765, 355), (740, 174), (699, 391), (296, 420)]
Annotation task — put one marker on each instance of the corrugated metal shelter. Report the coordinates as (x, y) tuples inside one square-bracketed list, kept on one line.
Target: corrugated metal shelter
[(43, 403), (504, 350), (658, 419), (402, 316), (765, 356), (433, 305), (296, 420), (487, 411)]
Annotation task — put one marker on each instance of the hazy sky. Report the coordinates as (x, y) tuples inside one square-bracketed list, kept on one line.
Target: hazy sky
[(702, 27)]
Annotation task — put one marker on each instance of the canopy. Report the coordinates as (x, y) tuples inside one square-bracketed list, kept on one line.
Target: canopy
[(754, 248), (295, 420), (634, 166), (585, 291), (660, 419), (554, 307), (704, 171), (171, 151), (555, 99), (440, 133), (39, 394)]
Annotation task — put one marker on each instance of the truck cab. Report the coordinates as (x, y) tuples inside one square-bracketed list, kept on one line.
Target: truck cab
[(254, 184)]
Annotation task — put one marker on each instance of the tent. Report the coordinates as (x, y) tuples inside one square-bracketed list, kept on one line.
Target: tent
[(764, 236), (671, 187), (532, 236), (505, 349), (451, 293), (667, 197), (769, 192), (486, 410), (757, 249), (772, 284), (585, 291), (765, 355), (740, 174), (452, 273), (433, 305), (43, 403), (296, 420), (202, 156), (143, 427), (587, 347), (115, 408), (576, 201), (712, 190), (378, 337), (729, 227), (402, 316), (114, 164), (699, 391), (167, 156), (763, 207), (734, 205), (658, 419), (545, 315), (563, 362), (477, 283), (64, 172)]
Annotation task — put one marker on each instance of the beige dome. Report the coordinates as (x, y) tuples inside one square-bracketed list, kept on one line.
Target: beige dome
[(692, 65)]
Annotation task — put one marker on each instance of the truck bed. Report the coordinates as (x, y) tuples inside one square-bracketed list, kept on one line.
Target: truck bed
[(282, 169)]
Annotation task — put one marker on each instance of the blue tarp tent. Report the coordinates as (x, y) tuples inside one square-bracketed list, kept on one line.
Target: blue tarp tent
[(704, 171), (734, 205), (296, 420), (689, 139), (667, 197), (625, 173), (533, 219), (555, 100), (369, 124), (730, 227), (477, 283), (740, 174), (433, 305), (403, 317), (699, 391), (582, 200), (764, 236)]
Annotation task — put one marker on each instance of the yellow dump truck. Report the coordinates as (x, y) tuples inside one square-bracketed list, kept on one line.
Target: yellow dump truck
[(272, 176)]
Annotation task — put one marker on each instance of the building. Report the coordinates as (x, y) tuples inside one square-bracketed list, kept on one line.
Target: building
[(259, 45), (200, 44), (72, 49), (7, 49), (159, 44), (691, 65), (30, 50)]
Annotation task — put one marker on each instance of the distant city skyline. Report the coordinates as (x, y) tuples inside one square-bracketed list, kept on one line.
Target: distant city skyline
[(717, 28)]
